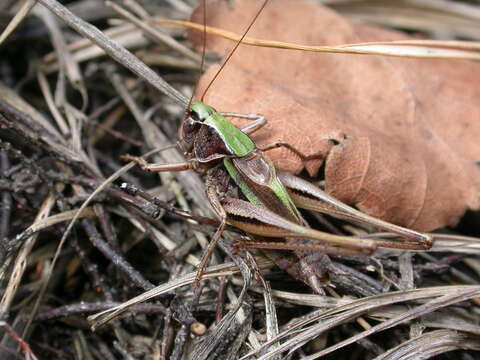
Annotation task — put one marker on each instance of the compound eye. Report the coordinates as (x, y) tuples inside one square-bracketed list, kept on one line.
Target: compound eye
[(191, 124)]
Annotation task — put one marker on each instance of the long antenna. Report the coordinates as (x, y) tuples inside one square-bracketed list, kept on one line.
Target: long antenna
[(234, 48), (202, 63)]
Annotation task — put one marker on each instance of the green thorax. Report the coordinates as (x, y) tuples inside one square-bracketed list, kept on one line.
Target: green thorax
[(235, 140)]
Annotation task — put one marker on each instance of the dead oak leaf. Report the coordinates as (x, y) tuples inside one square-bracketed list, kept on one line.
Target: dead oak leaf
[(398, 137)]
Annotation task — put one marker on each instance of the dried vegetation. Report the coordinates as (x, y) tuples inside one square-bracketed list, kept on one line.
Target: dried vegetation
[(67, 114)]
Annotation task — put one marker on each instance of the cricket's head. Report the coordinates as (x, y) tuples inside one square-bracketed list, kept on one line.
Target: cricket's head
[(198, 136), (192, 123)]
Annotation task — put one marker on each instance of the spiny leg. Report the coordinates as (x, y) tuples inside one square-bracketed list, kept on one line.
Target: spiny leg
[(272, 245), (259, 121), (156, 167), (277, 144), (308, 196), (207, 253)]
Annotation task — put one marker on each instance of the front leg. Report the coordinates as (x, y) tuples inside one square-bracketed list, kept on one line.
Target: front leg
[(259, 121), (155, 167)]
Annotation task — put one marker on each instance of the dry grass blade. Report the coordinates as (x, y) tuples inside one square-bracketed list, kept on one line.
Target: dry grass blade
[(270, 313), (431, 306), (432, 344), (215, 337), (412, 48), (68, 65), (339, 315), (31, 125), (438, 18), (211, 272), (15, 101), (21, 259), (312, 300), (156, 34), (448, 319), (17, 19), (455, 243), (61, 123), (83, 49), (57, 219), (117, 52)]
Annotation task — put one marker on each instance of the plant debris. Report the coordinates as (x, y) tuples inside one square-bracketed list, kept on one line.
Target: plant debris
[(97, 258)]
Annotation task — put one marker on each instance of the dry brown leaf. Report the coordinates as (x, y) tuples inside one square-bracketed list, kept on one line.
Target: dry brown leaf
[(398, 137)]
